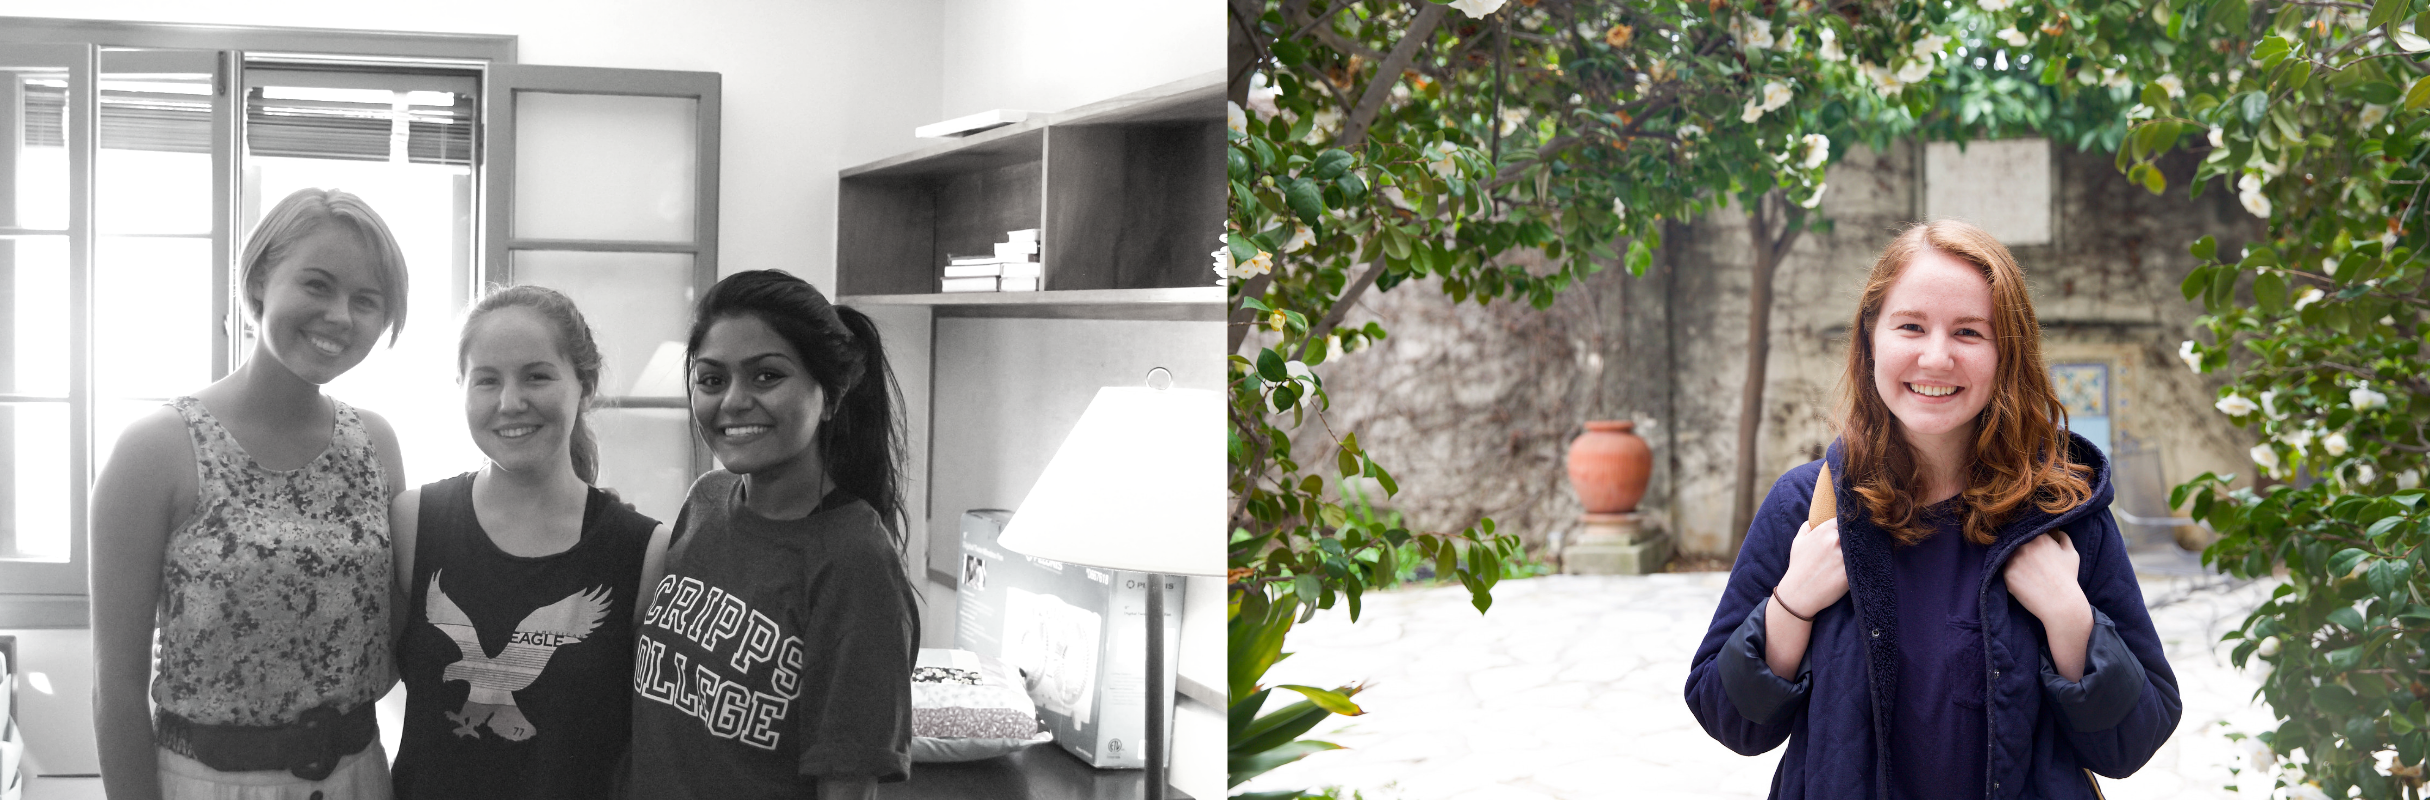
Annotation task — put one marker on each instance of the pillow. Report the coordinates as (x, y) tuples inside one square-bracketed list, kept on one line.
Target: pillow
[(965, 706)]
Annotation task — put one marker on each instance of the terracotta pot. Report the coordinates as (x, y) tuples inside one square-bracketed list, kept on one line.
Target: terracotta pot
[(1608, 466)]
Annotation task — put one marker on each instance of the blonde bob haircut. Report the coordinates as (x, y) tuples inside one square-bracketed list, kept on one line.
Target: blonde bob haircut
[(2020, 442), (309, 211)]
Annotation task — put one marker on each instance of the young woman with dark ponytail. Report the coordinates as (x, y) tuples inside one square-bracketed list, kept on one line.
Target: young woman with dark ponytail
[(774, 658), (520, 580)]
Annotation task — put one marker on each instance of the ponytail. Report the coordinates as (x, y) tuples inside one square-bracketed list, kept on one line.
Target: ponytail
[(862, 443), (585, 447)]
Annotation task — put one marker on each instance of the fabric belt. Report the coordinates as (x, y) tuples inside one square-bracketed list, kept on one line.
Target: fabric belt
[(308, 748)]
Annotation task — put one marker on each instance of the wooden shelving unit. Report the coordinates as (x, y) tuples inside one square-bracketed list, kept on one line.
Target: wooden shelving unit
[(1127, 193)]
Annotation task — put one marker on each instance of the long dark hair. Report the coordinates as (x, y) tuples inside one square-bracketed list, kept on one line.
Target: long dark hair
[(861, 443), (573, 342), (2020, 445)]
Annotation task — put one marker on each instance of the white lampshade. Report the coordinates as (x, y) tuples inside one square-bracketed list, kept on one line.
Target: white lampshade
[(1138, 486)]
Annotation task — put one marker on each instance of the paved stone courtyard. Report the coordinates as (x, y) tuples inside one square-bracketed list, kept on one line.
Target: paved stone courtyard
[(1571, 688)]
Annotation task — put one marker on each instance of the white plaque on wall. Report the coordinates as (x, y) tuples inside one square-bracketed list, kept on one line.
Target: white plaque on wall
[(2002, 186)]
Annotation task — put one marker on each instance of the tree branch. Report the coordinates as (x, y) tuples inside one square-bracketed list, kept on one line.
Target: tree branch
[(1341, 306), (1388, 74)]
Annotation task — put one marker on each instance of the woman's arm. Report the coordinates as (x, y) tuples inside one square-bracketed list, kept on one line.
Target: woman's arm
[(856, 787), (653, 564), (149, 483), (1816, 579), (2124, 704), (2041, 575), (1730, 688), (404, 531)]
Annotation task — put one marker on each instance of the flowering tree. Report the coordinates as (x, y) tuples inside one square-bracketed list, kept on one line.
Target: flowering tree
[(2314, 112)]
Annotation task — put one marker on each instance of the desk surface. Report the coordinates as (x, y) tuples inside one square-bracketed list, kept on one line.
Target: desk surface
[(1037, 772)]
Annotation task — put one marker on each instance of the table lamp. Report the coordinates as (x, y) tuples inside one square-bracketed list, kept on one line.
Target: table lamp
[(1138, 486)]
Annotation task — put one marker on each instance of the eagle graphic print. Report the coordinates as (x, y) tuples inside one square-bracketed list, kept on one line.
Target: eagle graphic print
[(495, 679)]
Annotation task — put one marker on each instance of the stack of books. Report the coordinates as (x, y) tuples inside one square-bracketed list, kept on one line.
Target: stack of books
[(1013, 267)]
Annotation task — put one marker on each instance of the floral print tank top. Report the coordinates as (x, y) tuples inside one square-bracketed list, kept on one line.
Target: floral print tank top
[(274, 594)]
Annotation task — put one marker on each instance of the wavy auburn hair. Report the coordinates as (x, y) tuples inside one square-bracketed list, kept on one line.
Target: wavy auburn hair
[(2020, 445)]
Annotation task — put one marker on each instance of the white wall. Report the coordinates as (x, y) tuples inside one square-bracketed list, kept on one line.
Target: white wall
[(1052, 55), (810, 86)]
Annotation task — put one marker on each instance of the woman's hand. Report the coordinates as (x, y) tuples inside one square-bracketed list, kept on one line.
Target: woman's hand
[(1817, 575), (2041, 575), (1816, 578)]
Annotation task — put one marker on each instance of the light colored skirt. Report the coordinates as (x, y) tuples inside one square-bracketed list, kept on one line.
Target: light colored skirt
[(361, 776)]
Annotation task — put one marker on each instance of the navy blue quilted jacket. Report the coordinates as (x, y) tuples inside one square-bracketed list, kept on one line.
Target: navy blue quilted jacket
[(2045, 731)]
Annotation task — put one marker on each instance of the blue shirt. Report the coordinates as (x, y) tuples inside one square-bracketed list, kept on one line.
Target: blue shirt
[(1937, 728)]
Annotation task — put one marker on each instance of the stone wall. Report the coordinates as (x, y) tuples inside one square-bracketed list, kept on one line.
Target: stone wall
[(1472, 407)]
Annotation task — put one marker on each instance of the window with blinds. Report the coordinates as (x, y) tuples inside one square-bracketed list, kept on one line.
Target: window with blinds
[(293, 122)]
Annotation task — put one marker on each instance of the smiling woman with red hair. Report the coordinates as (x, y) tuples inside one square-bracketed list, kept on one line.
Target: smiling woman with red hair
[(1941, 606)]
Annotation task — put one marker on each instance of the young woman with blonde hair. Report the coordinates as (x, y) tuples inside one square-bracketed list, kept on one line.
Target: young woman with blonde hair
[(1957, 617)]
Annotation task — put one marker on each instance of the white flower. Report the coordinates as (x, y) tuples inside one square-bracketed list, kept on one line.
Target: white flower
[(1995, 5), (1931, 45), (2335, 443), (1884, 80), (2299, 438), (2264, 456), (1223, 262), (1301, 237), (2261, 752), (1829, 51), (1818, 150), (2364, 399), (1619, 209), (1915, 71), (2193, 360), (1816, 200), (2408, 480), (2217, 137), (2087, 77), (2387, 241), (2235, 405), (2328, 266), (1439, 158), (1512, 117), (1262, 94), (2249, 183), (2113, 78), (1322, 124), (2172, 85), (1260, 265), (1690, 130), (1477, 8), (2269, 405), (2139, 111), (2309, 297), (2273, 169), (1235, 119), (1297, 369), (2365, 475), (2012, 36), (2370, 118), (1753, 111), (2410, 41), (1755, 34), (2258, 205), (1775, 95)]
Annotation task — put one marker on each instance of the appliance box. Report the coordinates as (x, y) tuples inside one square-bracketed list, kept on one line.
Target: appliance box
[(1077, 634)]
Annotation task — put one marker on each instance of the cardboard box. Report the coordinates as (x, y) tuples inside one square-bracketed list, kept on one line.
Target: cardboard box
[(1077, 634)]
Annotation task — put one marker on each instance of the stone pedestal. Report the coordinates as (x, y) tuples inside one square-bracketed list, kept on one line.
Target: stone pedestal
[(1615, 544)]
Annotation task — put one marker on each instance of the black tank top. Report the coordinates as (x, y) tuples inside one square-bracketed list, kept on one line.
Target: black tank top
[(517, 669)]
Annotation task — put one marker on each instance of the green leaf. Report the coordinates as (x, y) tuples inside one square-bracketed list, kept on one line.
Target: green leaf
[(2376, 92), (2223, 283), (1305, 199), (2334, 699), (1242, 768), (2205, 247), (1327, 699), (2388, 578), (2384, 11), (2155, 96), (2254, 105), (2348, 618), (1270, 366), (2152, 180), (2295, 77), (2419, 95), (2196, 282), (2344, 561), (2270, 291), (1640, 257), (1332, 164)]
